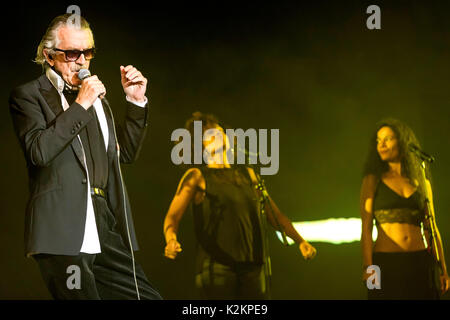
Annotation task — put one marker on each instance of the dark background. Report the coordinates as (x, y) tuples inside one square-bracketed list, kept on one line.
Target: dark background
[(314, 71)]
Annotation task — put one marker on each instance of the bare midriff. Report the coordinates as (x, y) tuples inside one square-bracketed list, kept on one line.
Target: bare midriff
[(399, 237)]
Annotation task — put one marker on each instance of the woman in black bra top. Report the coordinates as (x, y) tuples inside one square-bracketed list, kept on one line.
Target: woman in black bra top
[(393, 194), (230, 260)]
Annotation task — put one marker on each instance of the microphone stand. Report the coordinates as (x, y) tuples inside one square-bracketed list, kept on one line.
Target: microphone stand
[(264, 198), (431, 214)]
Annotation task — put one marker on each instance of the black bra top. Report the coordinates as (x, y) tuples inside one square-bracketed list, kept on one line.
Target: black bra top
[(390, 207)]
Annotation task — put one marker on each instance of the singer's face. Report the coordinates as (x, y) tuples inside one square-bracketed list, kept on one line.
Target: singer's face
[(216, 141), (71, 39), (387, 144)]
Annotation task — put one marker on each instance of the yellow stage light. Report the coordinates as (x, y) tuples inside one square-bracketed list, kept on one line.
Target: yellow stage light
[(335, 231)]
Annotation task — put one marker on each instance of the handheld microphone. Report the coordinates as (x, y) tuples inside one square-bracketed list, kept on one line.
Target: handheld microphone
[(419, 153), (85, 73)]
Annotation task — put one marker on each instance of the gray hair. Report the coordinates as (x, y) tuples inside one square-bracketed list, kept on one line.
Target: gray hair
[(50, 39)]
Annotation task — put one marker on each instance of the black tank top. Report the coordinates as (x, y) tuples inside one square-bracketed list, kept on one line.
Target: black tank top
[(390, 207), (227, 222)]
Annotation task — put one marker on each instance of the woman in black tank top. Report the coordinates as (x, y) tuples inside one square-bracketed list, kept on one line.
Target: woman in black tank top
[(401, 263), (231, 255)]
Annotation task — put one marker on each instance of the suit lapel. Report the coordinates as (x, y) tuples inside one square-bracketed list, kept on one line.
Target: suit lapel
[(50, 95), (111, 150), (53, 99), (78, 149)]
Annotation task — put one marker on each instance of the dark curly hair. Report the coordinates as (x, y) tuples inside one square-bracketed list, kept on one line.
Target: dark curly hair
[(208, 121), (211, 121), (410, 164)]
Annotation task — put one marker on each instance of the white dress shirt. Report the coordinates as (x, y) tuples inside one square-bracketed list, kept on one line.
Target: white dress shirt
[(91, 242)]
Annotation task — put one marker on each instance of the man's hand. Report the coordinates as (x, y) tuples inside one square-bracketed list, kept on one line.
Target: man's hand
[(134, 83), (90, 90), (307, 250)]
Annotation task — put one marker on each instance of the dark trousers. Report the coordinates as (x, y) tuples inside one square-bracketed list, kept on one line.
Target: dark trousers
[(405, 276), (107, 275), (220, 282)]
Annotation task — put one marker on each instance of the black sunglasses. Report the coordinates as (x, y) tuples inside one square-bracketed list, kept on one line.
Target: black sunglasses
[(73, 55)]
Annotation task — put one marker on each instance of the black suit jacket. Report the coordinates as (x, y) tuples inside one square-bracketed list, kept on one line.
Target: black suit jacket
[(56, 208)]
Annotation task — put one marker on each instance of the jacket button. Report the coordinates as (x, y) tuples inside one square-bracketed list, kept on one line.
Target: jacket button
[(73, 131), (84, 181)]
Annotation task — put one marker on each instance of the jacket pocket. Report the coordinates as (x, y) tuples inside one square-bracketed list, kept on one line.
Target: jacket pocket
[(47, 182)]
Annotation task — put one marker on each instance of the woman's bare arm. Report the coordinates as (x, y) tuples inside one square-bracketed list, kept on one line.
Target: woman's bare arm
[(186, 192), (366, 203), (440, 248), (281, 222)]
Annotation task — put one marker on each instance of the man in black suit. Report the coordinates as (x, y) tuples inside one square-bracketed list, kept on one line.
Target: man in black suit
[(78, 224)]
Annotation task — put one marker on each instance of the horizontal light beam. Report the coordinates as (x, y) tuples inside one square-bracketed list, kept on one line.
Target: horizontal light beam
[(335, 231)]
